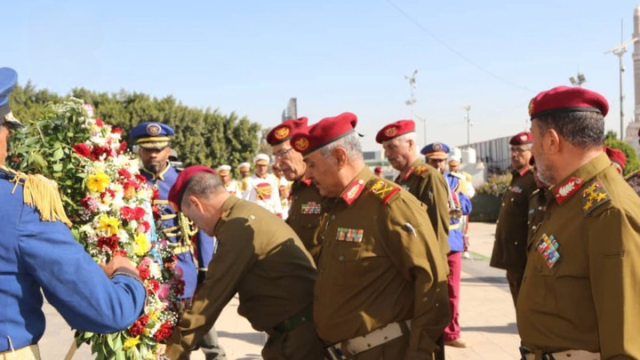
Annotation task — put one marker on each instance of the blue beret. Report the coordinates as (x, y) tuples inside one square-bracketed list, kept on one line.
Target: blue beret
[(8, 80), (152, 135), (435, 151)]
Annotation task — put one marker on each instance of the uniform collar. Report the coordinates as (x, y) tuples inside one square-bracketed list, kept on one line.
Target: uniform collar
[(355, 187), (305, 181), (524, 171), (227, 205), (414, 165), (159, 176), (566, 188)]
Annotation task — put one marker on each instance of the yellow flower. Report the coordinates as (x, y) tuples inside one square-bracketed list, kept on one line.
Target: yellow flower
[(131, 342), (141, 245), (153, 316), (109, 224), (97, 182)]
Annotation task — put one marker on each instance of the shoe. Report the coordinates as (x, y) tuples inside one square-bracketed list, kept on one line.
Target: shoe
[(456, 343)]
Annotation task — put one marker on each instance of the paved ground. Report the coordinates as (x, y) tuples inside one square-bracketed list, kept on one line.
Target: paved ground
[(487, 316)]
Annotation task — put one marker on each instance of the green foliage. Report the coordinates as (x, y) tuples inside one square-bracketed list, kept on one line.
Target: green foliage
[(205, 137), (633, 163), (496, 185)]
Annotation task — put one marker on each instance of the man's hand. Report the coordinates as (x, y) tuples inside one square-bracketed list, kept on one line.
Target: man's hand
[(118, 262)]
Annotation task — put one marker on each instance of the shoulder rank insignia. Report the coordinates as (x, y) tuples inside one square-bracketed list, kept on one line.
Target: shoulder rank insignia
[(593, 196), (383, 189), (421, 170), (353, 191), (567, 188)]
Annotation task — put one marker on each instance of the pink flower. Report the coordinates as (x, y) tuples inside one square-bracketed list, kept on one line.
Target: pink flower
[(99, 123), (179, 272), (145, 261), (164, 291)]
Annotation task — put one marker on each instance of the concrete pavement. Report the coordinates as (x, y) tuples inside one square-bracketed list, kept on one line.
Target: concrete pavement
[(487, 316)]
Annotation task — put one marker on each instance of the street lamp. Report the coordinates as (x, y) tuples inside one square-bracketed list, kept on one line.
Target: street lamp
[(412, 100), (619, 52), (468, 108)]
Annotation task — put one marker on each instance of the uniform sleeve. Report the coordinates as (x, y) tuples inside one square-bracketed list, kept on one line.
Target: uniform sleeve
[(465, 203), (234, 258), (614, 249), (73, 283), (206, 247), (435, 195), (414, 249)]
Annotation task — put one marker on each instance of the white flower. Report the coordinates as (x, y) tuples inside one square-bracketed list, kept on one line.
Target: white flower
[(154, 270)]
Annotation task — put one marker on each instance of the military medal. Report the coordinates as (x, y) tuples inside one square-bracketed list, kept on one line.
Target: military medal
[(547, 246), (311, 208), (349, 235)]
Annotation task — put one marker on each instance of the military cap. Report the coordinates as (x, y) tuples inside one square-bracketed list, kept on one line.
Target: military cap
[(377, 170), (224, 170), (152, 135), (285, 131), (8, 80), (324, 132), (454, 160), (244, 165), (522, 138), (616, 156), (261, 159), (435, 151), (566, 99), (176, 193), (395, 129)]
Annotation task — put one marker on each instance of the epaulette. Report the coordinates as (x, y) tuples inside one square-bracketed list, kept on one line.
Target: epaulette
[(594, 195), (383, 189), (421, 170), (41, 193)]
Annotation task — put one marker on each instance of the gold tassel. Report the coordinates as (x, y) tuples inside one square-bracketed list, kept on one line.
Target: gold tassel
[(43, 194)]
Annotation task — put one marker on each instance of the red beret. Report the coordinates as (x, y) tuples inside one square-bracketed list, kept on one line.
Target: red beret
[(395, 129), (324, 132), (377, 169), (522, 138), (285, 131), (564, 99), (616, 156), (177, 190)]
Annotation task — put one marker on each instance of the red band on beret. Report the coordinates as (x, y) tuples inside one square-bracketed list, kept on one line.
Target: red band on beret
[(564, 99)]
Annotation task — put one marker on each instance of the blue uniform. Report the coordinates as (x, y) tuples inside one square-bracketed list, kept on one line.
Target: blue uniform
[(456, 238), (37, 255), (171, 228)]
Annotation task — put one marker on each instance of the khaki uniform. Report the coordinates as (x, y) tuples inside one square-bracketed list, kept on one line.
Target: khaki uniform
[(261, 259), (430, 187), (509, 249), (580, 289), (537, 207), (304, 214), (380, 264)]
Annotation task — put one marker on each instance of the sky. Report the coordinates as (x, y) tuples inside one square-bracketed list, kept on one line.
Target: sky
[(250, 57)]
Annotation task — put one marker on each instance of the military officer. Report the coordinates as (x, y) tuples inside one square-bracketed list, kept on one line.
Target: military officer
[(224, 171), (429, 186), (306, 203), (262, 187), (617, 157), (459, 207), (153, 140), (244, 169), (580, 296), (38, 254), (381, 287), (509, 248), (260, 258)]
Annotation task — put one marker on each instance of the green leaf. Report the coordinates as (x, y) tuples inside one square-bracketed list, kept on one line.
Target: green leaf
[(57, 168), (58, 154)]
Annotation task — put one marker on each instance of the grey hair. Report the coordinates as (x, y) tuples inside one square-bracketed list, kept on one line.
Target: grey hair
[(350, 144), (582, 129), (203, 185), (408, 136)]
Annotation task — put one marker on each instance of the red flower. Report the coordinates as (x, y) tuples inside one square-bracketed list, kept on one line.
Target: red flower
[(122, 148), (153, 286), (108, 192), (120, 252), (110, 242), (85, 202), (144, 272), (116, 130), (98, 152), (138, 326), (82, 149), (99, 122), (129, 213), (163, 332), (144, 226), (124, 173), (156, 193), (15, 159), (141, 180)]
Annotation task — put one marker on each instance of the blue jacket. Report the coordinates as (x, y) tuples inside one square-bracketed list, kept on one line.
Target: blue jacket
[(456, 238), (204, 243), (37, 255)]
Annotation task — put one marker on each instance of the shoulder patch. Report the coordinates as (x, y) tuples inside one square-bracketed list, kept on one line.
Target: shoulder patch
[(383, 189), (593, 196), (421, 170)]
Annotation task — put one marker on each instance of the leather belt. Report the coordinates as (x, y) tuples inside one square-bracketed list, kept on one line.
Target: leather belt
[(375, 338), (30, 352), (294, 321)]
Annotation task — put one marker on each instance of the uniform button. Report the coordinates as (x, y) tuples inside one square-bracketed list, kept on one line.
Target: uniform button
[(511, 199), (533, 227), (333, 217), (425, 299), (497, 221), (502, 204), (539, 207), (295, 197), (516, 243), (341, 258)]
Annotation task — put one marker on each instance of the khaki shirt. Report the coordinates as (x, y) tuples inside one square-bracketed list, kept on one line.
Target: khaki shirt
[(537, 207), (380, 263), (585, 295), (304, 214), (430, 187), (261, 259), (509, 249)]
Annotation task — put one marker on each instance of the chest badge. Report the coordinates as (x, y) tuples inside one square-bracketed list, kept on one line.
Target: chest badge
[(349, 235), (311, 208), (547, 246)]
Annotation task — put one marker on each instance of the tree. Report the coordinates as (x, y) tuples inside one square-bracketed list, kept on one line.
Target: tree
[(633, 163)]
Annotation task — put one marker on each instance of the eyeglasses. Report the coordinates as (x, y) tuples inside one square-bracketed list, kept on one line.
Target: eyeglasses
[(519, 150), (282, 153)]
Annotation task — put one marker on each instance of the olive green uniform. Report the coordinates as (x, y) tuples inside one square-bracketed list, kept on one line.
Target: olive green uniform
[(580, 289), (509, 249), (261, 259), (304, 214), (537, 206), (380, 263), (430, 187)]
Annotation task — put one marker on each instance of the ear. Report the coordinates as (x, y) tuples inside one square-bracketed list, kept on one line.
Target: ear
[(195, 203), (341, 157), (552, 141)]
